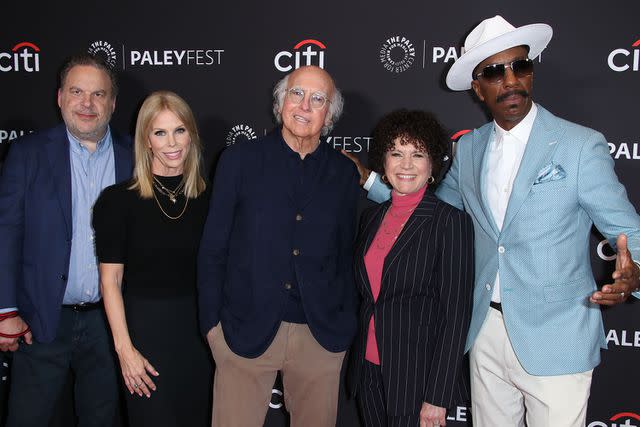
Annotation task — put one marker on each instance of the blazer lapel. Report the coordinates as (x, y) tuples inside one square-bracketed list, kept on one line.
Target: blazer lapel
[(480, 154), (422, 214), (364, 243), (540, 148), (57, 149)]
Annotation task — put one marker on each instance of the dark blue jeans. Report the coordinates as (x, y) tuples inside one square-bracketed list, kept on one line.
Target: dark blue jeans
[(39, 372)]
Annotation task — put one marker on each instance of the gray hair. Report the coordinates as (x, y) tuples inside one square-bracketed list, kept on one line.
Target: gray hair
[(335, 105)]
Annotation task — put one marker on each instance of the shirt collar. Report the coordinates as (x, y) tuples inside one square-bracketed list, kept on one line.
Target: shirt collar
[(315, 154), (523, 129), (103, 144)]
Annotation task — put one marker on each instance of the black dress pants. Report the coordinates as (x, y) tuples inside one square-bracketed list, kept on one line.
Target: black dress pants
[(372, 403), (39, 372)]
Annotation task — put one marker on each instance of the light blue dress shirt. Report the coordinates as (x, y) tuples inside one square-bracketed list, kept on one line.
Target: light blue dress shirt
[(90, 174)]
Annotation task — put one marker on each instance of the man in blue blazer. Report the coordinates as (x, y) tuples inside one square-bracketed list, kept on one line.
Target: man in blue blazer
[(534, 185), (275, 269), (53, 319)]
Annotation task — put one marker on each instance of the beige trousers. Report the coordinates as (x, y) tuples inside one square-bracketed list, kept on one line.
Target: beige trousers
[(310, 375), (504, 394)]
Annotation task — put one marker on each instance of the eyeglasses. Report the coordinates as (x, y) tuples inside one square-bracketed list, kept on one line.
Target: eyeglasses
[(494, 73), (317, 100)]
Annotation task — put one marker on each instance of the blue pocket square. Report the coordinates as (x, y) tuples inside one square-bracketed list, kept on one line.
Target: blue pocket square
[(550, 172)]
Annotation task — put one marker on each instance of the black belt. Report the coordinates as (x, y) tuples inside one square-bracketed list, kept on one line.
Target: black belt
[(496, 305), (84, 306)]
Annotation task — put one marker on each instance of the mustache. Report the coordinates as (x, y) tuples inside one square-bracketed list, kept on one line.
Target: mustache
[(505, 95)]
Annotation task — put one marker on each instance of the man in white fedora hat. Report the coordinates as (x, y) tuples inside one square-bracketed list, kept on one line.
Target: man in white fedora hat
[(534, 185)]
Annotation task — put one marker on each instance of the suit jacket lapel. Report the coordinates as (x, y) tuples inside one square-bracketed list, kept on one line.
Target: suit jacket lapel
[(538, 152), (364, 243), (480, 154), (57, 149), (422, 214)]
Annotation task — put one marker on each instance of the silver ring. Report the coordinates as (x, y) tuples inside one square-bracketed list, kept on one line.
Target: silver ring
[(135, 386), (622, 294)]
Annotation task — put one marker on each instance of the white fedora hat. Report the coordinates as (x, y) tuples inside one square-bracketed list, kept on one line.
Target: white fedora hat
[(491, 36)]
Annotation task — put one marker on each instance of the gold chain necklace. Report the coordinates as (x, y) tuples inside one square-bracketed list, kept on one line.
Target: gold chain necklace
[(186, 202), (171, 194)]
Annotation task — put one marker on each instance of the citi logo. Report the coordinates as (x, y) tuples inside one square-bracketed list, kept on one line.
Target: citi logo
[(621, 419), (306, 52), (24, 56), (454, 141), (623, 60)]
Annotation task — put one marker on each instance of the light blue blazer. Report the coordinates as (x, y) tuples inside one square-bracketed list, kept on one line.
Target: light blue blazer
[(565, 184)]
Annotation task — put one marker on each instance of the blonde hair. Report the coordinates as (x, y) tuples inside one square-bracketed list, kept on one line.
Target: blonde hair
[(159, 101)]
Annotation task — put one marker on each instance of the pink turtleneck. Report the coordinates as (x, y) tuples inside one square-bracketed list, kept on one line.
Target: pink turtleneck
[(401, 209)]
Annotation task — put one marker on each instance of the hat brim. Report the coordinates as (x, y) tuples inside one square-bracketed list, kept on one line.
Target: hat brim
[(536, 36)]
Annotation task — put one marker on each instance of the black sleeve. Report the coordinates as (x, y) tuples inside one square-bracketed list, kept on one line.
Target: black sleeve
[(110, 225)]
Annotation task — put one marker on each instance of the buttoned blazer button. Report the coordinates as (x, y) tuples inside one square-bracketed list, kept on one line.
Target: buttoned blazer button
[(296, 252), (63, 277), (287, 286), (488, 286), (298, 217)]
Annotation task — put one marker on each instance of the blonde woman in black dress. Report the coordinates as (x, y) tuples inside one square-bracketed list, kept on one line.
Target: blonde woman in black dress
[(147, 235)]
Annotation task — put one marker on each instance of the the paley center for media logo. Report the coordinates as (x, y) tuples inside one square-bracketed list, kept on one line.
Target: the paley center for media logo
[(240, 132), (305, 52), (397, 54), (142, 57), (24, 56), (625, 59), (104, 50)]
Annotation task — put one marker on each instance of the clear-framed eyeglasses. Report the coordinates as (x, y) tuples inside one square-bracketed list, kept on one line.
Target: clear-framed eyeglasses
[(317, 100)]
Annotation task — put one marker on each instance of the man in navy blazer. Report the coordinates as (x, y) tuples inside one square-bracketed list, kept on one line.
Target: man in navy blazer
[(275, 277), (50, 304), (534, 184)]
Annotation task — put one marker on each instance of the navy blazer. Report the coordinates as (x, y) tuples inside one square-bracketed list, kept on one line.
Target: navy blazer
[(423, 310), (36, 227), (251, 233)]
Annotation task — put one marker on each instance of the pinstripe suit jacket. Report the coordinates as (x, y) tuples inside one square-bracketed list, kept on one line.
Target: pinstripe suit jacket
[(423, 310)]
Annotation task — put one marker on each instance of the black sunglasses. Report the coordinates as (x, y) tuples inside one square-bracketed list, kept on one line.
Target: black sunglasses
[(494, 73)]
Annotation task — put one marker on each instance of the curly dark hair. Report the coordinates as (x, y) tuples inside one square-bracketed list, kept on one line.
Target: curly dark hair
[(420, 128)]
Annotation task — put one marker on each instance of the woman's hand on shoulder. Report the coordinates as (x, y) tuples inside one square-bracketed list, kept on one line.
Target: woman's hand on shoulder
[(135, 371), (432, 416)]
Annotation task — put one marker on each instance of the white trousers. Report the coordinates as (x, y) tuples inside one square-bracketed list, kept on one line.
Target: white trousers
[(504, 394)]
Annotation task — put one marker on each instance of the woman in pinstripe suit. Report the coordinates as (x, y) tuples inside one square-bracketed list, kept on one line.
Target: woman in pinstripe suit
[(414, 271)]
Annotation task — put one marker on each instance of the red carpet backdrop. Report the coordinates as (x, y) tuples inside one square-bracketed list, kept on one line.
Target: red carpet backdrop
[(224, 57)]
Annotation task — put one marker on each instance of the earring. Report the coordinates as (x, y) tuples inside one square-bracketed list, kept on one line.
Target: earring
[(431, 180), (384, 179)]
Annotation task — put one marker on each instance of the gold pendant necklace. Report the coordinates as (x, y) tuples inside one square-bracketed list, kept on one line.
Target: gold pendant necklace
[(186, 202), (171, 194)]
